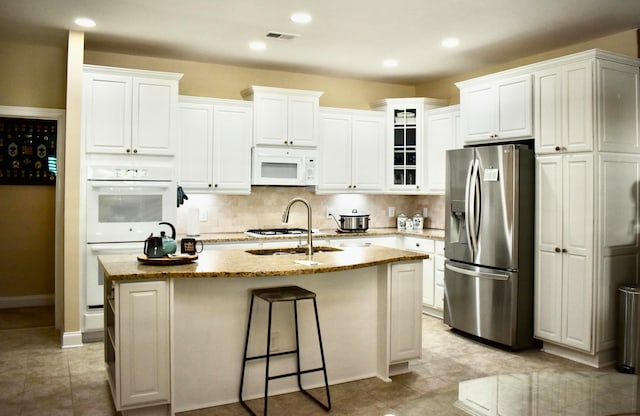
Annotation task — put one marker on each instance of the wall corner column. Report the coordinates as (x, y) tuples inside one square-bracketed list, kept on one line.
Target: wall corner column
[(71, 335)]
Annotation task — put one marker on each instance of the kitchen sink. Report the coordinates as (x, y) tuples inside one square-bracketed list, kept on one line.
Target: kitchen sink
[(279, 251)]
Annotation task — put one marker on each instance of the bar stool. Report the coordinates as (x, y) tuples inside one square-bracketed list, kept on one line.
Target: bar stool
[(283, 294)]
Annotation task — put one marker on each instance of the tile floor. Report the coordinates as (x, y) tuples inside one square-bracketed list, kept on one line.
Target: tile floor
[(456, 376)]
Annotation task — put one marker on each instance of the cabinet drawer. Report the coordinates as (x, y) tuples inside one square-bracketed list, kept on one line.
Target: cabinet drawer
[(423, 245)]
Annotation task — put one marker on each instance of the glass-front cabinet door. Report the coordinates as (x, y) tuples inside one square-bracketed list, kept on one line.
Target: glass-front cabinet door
[(405, 151), (405, 147)]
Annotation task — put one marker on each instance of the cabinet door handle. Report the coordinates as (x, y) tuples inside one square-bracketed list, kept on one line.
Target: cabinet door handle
[(135, 150), (215, 186), (354, 187), (564, 250), (286, 142), (128, 150), (558, 148), (557, 250), (210, 185)]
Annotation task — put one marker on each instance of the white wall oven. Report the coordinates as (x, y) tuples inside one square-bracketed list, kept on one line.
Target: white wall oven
[(124, 206)]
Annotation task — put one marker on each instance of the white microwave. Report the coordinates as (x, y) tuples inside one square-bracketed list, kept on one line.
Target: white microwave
[(284, 166)]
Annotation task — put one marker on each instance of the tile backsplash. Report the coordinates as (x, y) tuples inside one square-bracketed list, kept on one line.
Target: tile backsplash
[(264, 206)]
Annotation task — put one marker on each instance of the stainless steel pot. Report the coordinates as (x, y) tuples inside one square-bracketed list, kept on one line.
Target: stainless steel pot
[(353, 222)]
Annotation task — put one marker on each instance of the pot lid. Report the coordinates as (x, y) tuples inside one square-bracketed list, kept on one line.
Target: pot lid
[(354, 213)]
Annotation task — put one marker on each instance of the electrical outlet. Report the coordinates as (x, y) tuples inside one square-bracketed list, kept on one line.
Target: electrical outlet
[(392, 211), (203, 215), (329, 212), (425, 212)]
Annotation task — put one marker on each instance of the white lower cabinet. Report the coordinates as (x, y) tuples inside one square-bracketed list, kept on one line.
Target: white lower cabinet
[(137, 349), (586, 247), (432, 272), (438, 291), (405, 312), (385, 241), (564, 250)]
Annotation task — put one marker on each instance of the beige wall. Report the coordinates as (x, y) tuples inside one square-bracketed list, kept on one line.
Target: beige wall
[(224, 81), (27, 257), (625, 43), (30, 76)]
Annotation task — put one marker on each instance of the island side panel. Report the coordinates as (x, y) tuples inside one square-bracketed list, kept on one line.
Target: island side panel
[(210, 317)]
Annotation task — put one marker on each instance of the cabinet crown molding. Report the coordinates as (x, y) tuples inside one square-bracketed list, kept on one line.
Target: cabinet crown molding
[(249, 92), (431, 102), (96, 69), (537, 66)]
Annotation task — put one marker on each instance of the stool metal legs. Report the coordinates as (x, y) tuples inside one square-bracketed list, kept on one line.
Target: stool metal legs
[(267, 356)]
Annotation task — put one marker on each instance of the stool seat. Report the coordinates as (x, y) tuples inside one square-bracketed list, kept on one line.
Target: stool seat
[(272, 295), (283, 294)]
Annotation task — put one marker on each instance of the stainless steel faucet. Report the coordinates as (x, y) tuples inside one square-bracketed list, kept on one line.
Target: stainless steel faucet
[(285, 219)]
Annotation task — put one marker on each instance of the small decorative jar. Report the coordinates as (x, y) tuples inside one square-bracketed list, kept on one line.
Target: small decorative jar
[(408, 226), (418, 222), (402, 222)]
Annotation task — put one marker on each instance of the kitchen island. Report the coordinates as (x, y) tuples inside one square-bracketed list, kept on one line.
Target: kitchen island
[(174, 335)]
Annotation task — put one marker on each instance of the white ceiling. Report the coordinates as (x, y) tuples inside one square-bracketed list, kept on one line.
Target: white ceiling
[(347, 38)]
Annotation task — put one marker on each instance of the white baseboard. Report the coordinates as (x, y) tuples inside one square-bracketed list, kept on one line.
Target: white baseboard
[(7, 302), (599, 360), (72, 339)]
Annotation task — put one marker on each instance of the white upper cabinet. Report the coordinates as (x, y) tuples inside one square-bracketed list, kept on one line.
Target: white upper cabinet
[(564, 108), (442, 135), (496, 109), (351, 151), (215, 145), (130, 111), (405, 142), (618, 100), (581, 101), (284, 117)]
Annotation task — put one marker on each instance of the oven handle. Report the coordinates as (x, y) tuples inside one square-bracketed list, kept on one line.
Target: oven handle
[(124, 184)]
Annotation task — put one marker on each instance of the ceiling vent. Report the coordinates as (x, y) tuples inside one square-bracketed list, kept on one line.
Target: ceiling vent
[(283, 36)]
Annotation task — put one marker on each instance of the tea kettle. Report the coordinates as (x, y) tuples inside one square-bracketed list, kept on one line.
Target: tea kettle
[(169, 245), (161, 246)]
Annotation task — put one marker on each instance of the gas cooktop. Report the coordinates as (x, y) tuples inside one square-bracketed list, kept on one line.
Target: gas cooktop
[(268, 232)]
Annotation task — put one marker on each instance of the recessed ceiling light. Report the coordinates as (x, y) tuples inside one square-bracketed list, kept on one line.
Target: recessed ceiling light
[(390, 63), (450, 42), (301, 17), (84, 22), (258, 45)]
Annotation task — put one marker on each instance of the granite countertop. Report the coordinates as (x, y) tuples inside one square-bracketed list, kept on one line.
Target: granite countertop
[(239, 263), (433, 233)]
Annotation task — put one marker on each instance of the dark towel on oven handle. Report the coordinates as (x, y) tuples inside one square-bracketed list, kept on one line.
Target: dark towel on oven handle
[(181, 196)]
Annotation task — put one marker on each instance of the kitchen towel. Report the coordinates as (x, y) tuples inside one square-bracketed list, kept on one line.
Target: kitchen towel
[(181, 196)]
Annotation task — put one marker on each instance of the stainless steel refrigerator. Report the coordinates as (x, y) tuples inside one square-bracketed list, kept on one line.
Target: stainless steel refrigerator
[(489, 243)]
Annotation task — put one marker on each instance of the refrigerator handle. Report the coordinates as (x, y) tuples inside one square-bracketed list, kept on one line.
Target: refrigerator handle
[(469, 209), (494, 276), (477, 197), (473, 207)]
